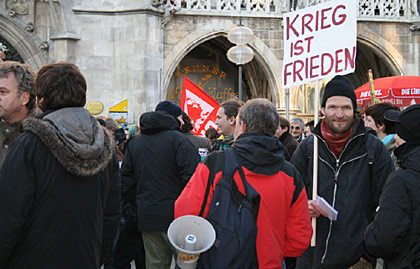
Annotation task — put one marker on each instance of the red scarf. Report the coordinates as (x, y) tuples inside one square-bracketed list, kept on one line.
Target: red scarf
[(335, 142)]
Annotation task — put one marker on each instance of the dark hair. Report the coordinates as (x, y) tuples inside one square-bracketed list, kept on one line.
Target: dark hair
[(61, 85), (284, 123), (25, 79), (187, 126), (310, 124), (101, 122), (231, 108), (377, 113), (260, 117), (211, 133), (119, 136)]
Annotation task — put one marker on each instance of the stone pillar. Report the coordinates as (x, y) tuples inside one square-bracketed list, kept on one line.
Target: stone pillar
[(153, 60), (63, 48), (120, 54)]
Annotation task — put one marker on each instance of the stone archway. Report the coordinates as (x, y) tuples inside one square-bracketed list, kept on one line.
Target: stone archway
[(265, 62), (26, 44), (390, 55), (11, 53), (377, 53), (373, 55)]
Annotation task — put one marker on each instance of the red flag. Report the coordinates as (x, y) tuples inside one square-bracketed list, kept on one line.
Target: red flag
[(199, 106)]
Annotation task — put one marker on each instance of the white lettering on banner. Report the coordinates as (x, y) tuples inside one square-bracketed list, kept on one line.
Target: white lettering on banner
[(413, 91), (321, 22), (319, 42), (378, 93), (393, 101), (319, 65), (364, 94)]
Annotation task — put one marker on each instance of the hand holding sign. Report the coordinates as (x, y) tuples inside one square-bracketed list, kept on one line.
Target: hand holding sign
[(315, 210)]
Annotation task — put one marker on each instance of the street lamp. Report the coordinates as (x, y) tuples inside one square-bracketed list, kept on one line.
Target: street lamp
[(241, 53)]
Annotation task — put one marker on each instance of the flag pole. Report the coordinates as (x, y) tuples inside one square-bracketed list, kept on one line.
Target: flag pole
[(240, 83), (372, 88), (315, 164)]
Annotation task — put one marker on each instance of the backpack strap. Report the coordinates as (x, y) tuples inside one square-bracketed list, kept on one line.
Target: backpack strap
[(309, 152), (231, 164), (413, 171), (253, 196), (229, 168), (206, 195), (371, 161)]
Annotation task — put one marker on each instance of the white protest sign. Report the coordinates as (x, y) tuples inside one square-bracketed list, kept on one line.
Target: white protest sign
[(319, 42)]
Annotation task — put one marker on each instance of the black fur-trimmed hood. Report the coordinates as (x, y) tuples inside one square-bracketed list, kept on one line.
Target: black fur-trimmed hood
[(75, 138)]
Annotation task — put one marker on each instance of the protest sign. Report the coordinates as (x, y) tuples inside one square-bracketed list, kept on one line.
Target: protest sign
[(319, 42)]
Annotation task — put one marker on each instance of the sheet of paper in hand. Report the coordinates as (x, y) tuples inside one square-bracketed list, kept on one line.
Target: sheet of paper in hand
[(331, 212)]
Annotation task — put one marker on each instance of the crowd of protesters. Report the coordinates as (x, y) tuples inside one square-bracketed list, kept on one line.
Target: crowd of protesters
[(80, 192)]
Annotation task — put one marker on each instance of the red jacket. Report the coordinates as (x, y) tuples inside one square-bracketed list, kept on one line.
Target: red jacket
[(284, 224)]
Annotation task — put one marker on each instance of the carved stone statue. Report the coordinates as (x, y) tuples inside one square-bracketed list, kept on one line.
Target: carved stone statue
[(298, 4), (415, 4), (19, 6)]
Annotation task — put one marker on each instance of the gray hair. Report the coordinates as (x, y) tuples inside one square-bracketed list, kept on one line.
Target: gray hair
[(25, 79), (111, 124), (298, 121), (260, 117)]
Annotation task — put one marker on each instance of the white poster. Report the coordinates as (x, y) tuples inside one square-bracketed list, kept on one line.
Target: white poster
[(119, 117), (319, 42)]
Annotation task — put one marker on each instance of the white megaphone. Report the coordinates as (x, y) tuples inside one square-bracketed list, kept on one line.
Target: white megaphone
[(190, 236)]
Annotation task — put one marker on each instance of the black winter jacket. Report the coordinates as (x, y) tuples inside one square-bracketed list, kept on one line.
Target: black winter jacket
[(160, 161), (59, 193), (289, 143), (394, 235), (344, 182)]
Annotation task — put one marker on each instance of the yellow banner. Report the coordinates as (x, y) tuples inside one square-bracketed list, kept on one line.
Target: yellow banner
[(121, 107)]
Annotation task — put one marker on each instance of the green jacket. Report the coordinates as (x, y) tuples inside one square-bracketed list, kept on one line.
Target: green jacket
[(9, 131), (223, 142)]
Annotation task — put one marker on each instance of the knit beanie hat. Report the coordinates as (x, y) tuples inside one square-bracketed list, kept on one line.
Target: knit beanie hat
[(407, 123), (339, 86), (169, 107)]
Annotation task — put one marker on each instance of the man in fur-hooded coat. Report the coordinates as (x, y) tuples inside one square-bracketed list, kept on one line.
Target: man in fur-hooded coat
[(59, 185)]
